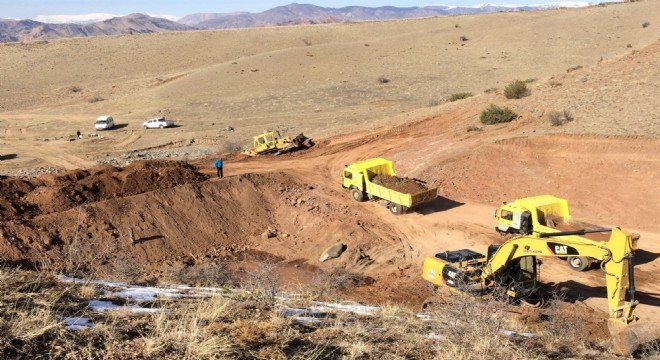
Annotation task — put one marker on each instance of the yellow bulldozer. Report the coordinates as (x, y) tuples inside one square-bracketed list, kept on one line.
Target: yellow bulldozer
[(511, 269), (271, 142)]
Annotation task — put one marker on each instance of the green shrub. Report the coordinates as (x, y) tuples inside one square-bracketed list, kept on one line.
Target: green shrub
[(474, 128), (516, 89), (460, 96), (495, 115), (383, 80)]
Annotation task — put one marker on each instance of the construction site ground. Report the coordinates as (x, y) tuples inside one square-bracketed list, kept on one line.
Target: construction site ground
[(180, 214)]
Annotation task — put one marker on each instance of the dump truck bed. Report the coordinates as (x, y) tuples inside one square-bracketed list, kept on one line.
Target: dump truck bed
[(399, 193), (381, 182), (574, 225)]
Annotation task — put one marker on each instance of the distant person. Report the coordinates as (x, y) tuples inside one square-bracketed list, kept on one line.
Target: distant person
[(78, 134), (218, 166)]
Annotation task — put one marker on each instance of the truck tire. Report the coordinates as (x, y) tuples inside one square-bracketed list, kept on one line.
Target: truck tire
[(357, 195), (395, 209), (578, 263)]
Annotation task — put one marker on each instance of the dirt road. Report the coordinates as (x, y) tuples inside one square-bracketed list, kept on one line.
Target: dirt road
[(473, 181)]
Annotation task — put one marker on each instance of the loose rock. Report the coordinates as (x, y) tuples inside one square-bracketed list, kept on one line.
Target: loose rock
[(333, 252)]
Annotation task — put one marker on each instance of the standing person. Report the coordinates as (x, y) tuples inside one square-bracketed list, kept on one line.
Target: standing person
[(218, 166), (78, 134)]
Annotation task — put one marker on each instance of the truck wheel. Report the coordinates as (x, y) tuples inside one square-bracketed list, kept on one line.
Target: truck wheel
[(357, 195), (395, 209), (577, 263)]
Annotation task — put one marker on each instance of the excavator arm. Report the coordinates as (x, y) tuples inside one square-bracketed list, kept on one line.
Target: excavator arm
[(616, 257)]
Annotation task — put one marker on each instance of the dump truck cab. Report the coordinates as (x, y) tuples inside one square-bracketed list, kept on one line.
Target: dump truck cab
[(535, 215), (357, 174), (532, 214)]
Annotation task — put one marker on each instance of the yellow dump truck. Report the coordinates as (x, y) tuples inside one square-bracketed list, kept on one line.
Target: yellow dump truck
[(545, 214), (375, 179)]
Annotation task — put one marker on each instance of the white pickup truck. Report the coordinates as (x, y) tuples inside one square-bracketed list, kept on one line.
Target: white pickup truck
[(157, 123)]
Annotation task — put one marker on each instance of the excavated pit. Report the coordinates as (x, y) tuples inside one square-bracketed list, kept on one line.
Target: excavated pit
[(153, 217)]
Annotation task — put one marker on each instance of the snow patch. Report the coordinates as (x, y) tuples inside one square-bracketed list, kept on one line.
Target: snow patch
[(76, 323), (513, 333), (85, 19), (75, 19), (104, 305)]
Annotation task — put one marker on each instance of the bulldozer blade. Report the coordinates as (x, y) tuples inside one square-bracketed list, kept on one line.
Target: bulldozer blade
[(301, 141)]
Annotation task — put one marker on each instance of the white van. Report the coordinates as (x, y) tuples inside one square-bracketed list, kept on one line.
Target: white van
[(104, 123)]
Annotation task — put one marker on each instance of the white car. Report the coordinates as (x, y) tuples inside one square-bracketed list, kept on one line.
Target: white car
[(104, 123), (157, 123)]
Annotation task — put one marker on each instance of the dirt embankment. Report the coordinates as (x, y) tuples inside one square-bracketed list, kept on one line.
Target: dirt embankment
[(185, 221), (27, 198)]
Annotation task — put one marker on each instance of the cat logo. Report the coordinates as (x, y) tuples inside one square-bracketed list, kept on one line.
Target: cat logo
[(431, 273), (451, 274), (561, 249)]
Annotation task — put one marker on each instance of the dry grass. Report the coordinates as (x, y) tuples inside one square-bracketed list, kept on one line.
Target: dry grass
[(573, 68), (558, 118), (188, 332), (459, 96), (234, 326), (95, 98)]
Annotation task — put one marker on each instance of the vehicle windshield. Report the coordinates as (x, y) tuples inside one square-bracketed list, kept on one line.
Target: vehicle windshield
[(101, 122)]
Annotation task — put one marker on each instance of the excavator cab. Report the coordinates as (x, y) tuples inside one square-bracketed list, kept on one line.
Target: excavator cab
[(519, 278)]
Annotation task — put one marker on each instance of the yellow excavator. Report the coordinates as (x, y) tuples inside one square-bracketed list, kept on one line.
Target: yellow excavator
[(512, 267), (271, 142)]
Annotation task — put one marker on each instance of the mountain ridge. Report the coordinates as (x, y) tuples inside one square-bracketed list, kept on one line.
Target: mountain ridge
[(293, 14)]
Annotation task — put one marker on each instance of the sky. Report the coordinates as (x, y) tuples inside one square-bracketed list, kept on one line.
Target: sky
[(31, 9)]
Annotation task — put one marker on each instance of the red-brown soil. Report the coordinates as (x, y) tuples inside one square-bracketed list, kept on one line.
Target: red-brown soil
[(403, 185), (606, 162), (26, 198)]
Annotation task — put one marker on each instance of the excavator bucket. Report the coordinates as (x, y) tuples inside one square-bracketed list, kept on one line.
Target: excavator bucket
[(626, 338)]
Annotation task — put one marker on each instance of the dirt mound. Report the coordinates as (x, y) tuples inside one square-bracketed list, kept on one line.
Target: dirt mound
[(27, 198), (404, 185), (188, 224)]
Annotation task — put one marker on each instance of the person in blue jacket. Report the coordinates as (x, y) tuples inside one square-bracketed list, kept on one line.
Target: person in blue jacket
[(218, 166)]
